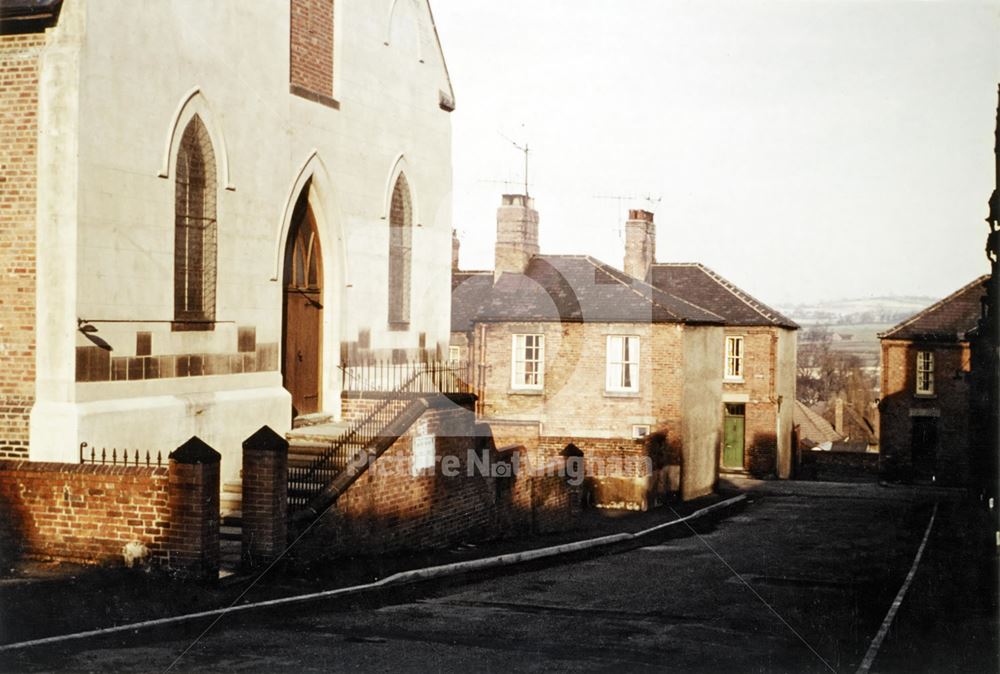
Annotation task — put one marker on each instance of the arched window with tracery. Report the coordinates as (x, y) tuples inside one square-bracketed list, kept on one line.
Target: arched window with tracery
[(400, 242), (195, 230)]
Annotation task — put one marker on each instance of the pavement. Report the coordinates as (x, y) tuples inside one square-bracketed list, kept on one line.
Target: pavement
[(799, 580)]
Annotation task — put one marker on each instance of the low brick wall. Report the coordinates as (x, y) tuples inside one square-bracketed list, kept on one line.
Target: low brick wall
[(393, 508), (621, 472), (81, 513), (838, 466), (89, 513)]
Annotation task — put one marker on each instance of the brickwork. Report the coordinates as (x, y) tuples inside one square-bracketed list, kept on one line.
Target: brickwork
[(574, 406), (640, 244), (265, 496), (391, 509), (949, 406), (357, 408), (517, 233), (311, 46), (838, 466), (81, 513), (18, 176), (193, 536), (573, 400), (758, 385)]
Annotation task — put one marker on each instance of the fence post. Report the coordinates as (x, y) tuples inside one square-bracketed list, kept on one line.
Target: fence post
[(265, 496), (193, 495)]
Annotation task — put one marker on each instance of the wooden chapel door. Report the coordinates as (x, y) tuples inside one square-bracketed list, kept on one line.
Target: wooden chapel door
[(303, 315)]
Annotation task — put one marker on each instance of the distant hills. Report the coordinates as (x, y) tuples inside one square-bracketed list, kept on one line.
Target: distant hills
[(859, 311)]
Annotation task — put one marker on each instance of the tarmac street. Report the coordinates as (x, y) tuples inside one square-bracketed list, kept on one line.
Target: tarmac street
[(800, 580)]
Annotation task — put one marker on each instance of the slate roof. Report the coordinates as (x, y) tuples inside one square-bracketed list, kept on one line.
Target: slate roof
[(946, 321), (469, 290), (567, 288), (699, 285)]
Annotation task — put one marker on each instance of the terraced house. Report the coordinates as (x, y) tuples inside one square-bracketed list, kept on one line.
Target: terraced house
[(572, 355)]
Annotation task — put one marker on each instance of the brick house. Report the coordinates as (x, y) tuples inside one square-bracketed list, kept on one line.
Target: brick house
[(548, 335), (925, 406), (758, 364), (200, 239), (758, 358)]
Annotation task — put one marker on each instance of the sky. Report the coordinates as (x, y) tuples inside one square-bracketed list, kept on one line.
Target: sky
[(806, 150)]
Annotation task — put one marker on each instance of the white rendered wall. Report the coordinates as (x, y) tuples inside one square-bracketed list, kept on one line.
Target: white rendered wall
[(113, 83)]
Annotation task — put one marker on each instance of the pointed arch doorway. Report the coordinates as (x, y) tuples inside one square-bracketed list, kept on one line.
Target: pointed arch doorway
[(302, 321)]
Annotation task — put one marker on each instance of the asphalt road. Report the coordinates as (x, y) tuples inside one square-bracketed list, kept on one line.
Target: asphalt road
[(799, 581)]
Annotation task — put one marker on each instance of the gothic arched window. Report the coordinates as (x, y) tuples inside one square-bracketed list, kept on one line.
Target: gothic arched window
[(195, 230), (400, 241)]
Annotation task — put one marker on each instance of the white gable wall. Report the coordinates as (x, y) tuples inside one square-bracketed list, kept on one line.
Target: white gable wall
[(134, 66)]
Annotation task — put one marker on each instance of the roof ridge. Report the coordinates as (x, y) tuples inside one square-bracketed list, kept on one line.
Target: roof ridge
[(654, 290), (774, 316), (937, 305)]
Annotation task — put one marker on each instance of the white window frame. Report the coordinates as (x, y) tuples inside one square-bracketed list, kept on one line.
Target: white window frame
[(925, 373), (735, 359), (522, 378), (621, 374), (454, 355), (640, 431)]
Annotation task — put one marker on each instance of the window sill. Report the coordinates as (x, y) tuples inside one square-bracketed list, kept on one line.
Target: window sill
[(733, 380), (925, 396), (399, 326), (525, 391), (621, 394), (192, 325), (314, 96)]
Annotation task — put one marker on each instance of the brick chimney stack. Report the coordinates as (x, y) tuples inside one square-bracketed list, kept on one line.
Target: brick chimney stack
[(455, 246), (640, 244), (517, 234)]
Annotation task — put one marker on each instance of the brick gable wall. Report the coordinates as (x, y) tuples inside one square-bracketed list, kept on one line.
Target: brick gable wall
[(759, 385), (18, 177), (950, 403)]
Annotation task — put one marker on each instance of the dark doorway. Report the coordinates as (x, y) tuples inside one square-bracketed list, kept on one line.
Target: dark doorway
[(734, 426), (303, 312), (923, 447)]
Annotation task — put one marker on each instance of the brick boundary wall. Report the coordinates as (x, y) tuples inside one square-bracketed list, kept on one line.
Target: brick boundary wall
[(81, 513), (836, 466), (88, 513), (18, 181), (617, 470), (390, 510)]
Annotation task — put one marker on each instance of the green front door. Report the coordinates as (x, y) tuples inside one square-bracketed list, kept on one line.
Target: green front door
[(733, 424)]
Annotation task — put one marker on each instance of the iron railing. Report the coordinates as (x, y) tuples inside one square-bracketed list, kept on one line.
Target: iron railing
[(409, 377), (120, 457), (393, 385)]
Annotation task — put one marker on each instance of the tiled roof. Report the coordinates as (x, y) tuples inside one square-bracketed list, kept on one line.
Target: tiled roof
[(700, 285), (813, 428), (568, 288), (947, 320)]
